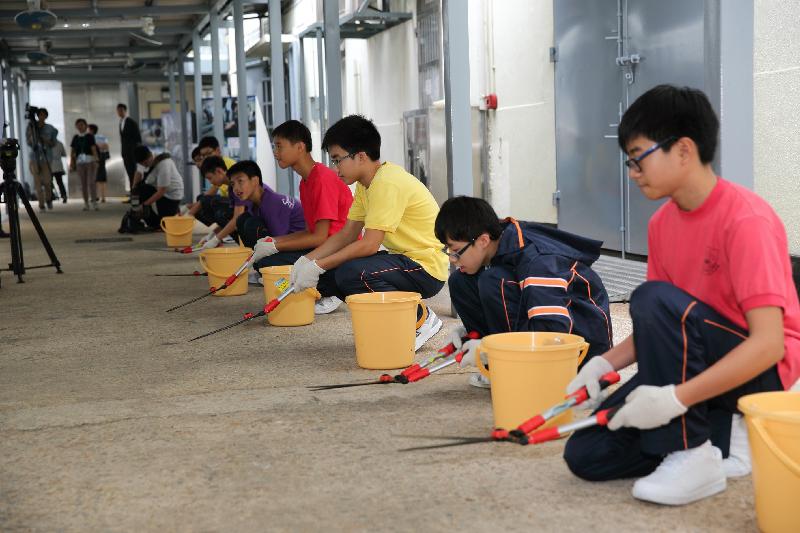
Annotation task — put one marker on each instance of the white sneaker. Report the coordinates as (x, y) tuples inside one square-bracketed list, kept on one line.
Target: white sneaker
[(96, 207), (684, 477), (428, 329), (254, 277), (228, 240), (738, 463), (326, 305), (480, 381), (85, 207)]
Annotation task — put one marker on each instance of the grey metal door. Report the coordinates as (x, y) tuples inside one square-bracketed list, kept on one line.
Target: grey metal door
[(587, 106), (608, 53)]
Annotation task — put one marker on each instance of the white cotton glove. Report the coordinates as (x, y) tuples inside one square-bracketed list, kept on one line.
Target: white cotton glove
[(648, 407), (307, 277), (456, 336), (213, 242), (183, 210), (589, 377), (471, 349), (796, 386), (296, 267), (264, 248), (205, 239)]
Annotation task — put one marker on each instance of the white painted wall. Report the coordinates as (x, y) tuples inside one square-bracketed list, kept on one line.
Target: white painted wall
[(522, 161), (776, 94)]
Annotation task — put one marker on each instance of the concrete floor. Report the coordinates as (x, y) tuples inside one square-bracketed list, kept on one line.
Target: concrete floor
[(111, 421)]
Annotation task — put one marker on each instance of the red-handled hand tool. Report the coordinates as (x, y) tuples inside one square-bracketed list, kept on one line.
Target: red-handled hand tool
[(600, 418), (195, 273), (411, 374), (250, 316), (225, 284), (521, 434)]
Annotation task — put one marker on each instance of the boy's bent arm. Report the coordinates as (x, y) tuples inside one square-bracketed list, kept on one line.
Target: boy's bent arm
[(231, 225), (348, 234), (367, 246), (762, 349), (304, 240), (622, 354)]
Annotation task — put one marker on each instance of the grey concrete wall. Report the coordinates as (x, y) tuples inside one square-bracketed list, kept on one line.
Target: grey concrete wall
[(776, 88), (97, 104)]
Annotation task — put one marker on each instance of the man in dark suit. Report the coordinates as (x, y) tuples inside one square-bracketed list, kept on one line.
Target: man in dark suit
[(130, 138)]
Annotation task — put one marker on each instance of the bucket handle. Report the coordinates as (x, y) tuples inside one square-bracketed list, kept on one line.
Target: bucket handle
[(479, 361), (758, 425), (163, 226), (583, 352), (207, 269)]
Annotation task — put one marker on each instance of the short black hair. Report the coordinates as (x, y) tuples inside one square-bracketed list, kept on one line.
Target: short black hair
[(464, 218), (212, 163), (248, 168), (81, 120), (141, 153), (43, 110), (667, 111), (93, 128), (123, 106), (355, 134), (294, 131), (208, 142), (195, 152)]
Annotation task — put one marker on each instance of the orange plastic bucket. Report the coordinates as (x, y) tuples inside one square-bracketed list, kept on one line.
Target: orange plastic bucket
[(295, 309), (221, 263), (530, 372), (384, 327), (178, 230), (773, 429)]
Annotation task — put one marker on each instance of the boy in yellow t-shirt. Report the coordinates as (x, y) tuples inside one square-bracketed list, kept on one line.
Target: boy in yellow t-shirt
[(395, 210)]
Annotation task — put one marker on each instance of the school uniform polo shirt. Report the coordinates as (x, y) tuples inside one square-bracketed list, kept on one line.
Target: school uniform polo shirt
[(325, 197), (399, 204), (281, 214)]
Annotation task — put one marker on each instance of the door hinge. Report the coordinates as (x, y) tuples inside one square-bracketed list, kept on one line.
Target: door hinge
[(556, 197), (553, 54)]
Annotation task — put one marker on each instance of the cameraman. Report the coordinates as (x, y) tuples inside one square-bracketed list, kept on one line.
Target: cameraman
[(41, 138)]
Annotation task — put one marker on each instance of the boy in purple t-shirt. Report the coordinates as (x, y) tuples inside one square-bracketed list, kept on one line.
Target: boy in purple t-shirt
[(265, 211)]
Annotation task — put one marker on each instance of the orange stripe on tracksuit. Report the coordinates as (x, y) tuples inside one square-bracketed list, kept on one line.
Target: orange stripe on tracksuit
[(683, 372)]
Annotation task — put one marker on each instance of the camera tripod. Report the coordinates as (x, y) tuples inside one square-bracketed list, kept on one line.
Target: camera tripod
[(11, 190)]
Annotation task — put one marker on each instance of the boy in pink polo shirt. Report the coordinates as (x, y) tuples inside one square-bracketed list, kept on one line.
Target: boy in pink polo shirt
[(325, 198), (718, 317)]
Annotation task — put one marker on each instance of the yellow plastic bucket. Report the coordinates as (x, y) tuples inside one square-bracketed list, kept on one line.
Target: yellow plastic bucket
[(384, 327), (295, 309), (178, 231), (529, 373), (221, 263), (773, 427)]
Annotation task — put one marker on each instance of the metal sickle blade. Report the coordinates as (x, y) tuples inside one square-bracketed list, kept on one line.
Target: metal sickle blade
[(449, 444), (189, 302), (229, 326), (345, 385)]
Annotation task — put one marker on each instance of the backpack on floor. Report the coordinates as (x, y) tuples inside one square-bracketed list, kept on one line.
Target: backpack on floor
[(132, 223)]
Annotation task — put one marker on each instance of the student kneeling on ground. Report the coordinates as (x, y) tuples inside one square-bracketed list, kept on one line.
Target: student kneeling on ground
[(265, 212), (325, 198), (520, 276), (717, 319), (161, 185), (395, 210), (220, 210)]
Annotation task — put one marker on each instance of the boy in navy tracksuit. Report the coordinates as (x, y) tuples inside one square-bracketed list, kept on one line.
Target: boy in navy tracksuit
[(520, 276)]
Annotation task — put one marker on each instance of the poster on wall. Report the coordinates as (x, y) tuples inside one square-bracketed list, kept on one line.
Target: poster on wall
[(153, 134), (230, 116)]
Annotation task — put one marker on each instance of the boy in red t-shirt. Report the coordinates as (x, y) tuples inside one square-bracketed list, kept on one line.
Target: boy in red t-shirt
[(717, 319), (325, 199)]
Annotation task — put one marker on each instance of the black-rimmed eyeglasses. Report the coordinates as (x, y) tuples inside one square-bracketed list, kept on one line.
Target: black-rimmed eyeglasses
[(634, 162), (455, 256)]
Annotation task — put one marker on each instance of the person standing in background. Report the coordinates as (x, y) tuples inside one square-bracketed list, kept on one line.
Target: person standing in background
[(129, 139), (84, 159), (57, 166), (102, 152), (41, 141)]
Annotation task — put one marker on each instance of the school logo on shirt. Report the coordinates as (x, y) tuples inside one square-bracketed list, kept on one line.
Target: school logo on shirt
[(288, 202), (711, 260)]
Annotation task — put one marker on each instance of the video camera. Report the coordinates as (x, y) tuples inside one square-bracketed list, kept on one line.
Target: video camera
[(9, 151), (31, 112)]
